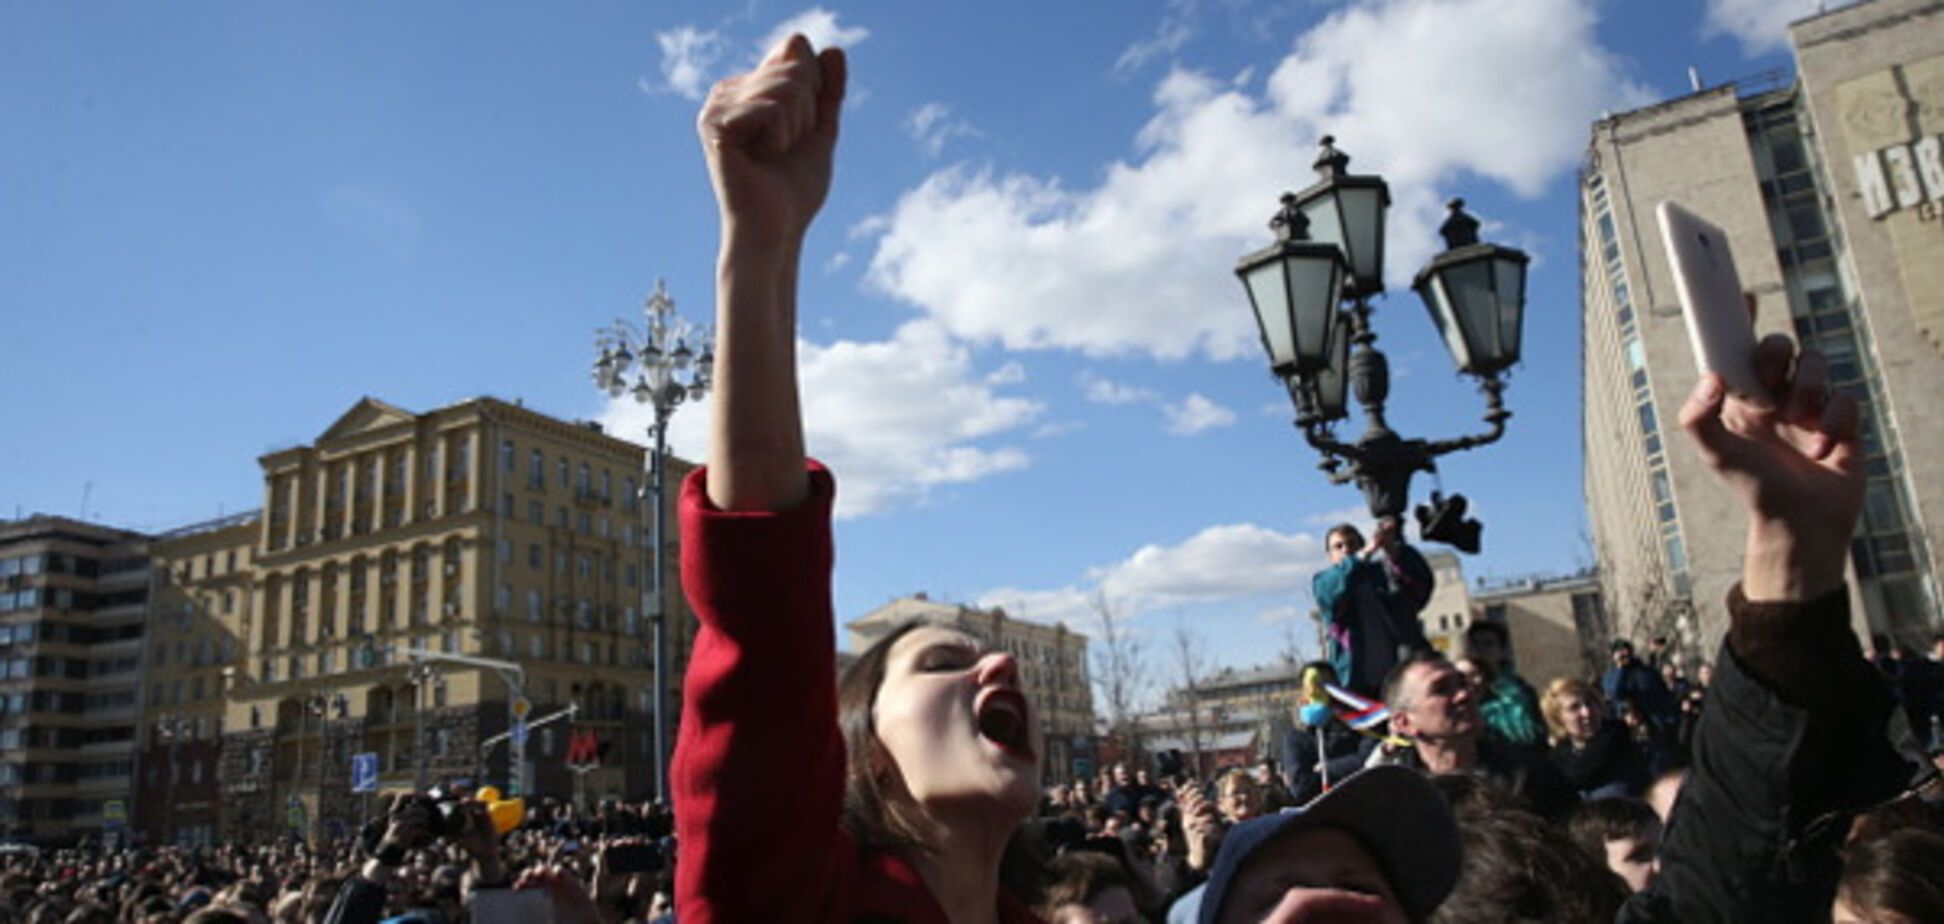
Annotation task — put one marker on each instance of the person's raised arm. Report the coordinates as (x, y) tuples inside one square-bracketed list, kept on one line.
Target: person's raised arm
[(768, 136), (1796, 734), (1798, 468)]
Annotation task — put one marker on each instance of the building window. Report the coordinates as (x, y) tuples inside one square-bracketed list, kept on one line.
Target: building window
[(535, 557), (536, 513), (506, 455), (534, 607), (537, 470)]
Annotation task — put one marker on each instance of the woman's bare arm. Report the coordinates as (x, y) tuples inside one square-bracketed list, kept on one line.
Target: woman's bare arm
[(768, 136)]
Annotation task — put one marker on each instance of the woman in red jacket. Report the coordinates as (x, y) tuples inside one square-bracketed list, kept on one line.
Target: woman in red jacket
[(901, 809)]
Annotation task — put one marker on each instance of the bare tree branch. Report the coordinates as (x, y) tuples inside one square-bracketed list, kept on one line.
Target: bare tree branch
[(1119, 670), (1191, 668)]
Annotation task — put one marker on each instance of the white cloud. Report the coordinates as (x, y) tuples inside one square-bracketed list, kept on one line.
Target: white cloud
[(693, 58), (837, 261), (1760, 25), (1052, 429), (893, 419), (1100, 390), (932, 125), (1027, 262), (1240, 561), (689, 58), (1012, 373), (1195, 414), (1176, 28), (818, 25), (1277, 615)]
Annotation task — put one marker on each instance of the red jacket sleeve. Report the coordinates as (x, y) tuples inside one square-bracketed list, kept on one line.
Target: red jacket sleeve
[(758, 771)]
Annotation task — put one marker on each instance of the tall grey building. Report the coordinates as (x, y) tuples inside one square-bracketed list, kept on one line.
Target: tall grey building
[(73, 611), (1830, 189)]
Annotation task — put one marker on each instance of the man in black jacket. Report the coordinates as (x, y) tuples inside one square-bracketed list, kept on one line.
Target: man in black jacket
[(1796, 738)]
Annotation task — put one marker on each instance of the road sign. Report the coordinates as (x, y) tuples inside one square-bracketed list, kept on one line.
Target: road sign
[(364, 772), (519, 732), (522, 707)]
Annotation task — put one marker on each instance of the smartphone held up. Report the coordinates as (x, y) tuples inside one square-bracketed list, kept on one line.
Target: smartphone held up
[(1720, 330)]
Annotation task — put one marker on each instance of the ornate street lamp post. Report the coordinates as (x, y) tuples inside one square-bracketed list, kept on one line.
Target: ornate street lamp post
[(1311, 294), (673, 361)]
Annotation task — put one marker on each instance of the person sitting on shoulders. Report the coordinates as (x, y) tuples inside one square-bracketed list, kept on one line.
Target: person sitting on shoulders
[(1370, 599)]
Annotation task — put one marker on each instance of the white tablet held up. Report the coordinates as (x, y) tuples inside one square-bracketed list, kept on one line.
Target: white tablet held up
[(1719, 328)]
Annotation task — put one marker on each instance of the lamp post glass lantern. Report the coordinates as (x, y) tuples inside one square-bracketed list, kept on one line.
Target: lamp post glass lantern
[(1294, 285), (1321, 345), (673, 362), (1348, 211), (1476, 296)]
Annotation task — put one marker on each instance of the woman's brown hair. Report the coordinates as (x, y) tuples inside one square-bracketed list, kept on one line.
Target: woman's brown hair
[(873, 819), (1901, 873)]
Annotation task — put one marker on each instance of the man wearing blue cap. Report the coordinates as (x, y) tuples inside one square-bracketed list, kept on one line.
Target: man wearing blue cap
[(1379, 847)]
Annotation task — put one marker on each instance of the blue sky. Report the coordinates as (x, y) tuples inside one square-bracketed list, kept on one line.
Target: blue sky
[(1024, 350)]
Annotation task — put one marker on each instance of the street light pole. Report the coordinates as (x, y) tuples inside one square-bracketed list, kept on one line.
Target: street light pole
[(1312, 302), (172, 728), (658, 598), (422, 674), (669, 371)]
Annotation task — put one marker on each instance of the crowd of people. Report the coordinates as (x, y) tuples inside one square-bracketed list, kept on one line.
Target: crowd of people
[(1785, 780), (431, 859)]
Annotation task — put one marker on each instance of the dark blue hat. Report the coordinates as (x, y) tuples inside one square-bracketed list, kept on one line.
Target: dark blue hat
[(1394, 812)]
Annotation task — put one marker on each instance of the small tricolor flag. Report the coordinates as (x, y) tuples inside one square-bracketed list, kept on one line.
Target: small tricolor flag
[(1360, 713)]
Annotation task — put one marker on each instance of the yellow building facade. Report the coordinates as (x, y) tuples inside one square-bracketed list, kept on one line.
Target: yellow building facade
[(478, 530)]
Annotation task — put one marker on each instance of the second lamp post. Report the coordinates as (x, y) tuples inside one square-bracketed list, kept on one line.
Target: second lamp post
[(673, 361)]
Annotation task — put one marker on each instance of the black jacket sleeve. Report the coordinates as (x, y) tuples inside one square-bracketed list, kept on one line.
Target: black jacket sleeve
[(1794, 740), (360, 901)]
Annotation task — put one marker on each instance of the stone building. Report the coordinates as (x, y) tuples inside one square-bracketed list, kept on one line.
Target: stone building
[(482, 530), (1449, 609), (74, 604), (1052, 669), (1830, 189), (202, 605), (1557, 625)]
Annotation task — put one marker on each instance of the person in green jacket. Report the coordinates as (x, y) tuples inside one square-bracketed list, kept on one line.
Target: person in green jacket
[(1512, 710)]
